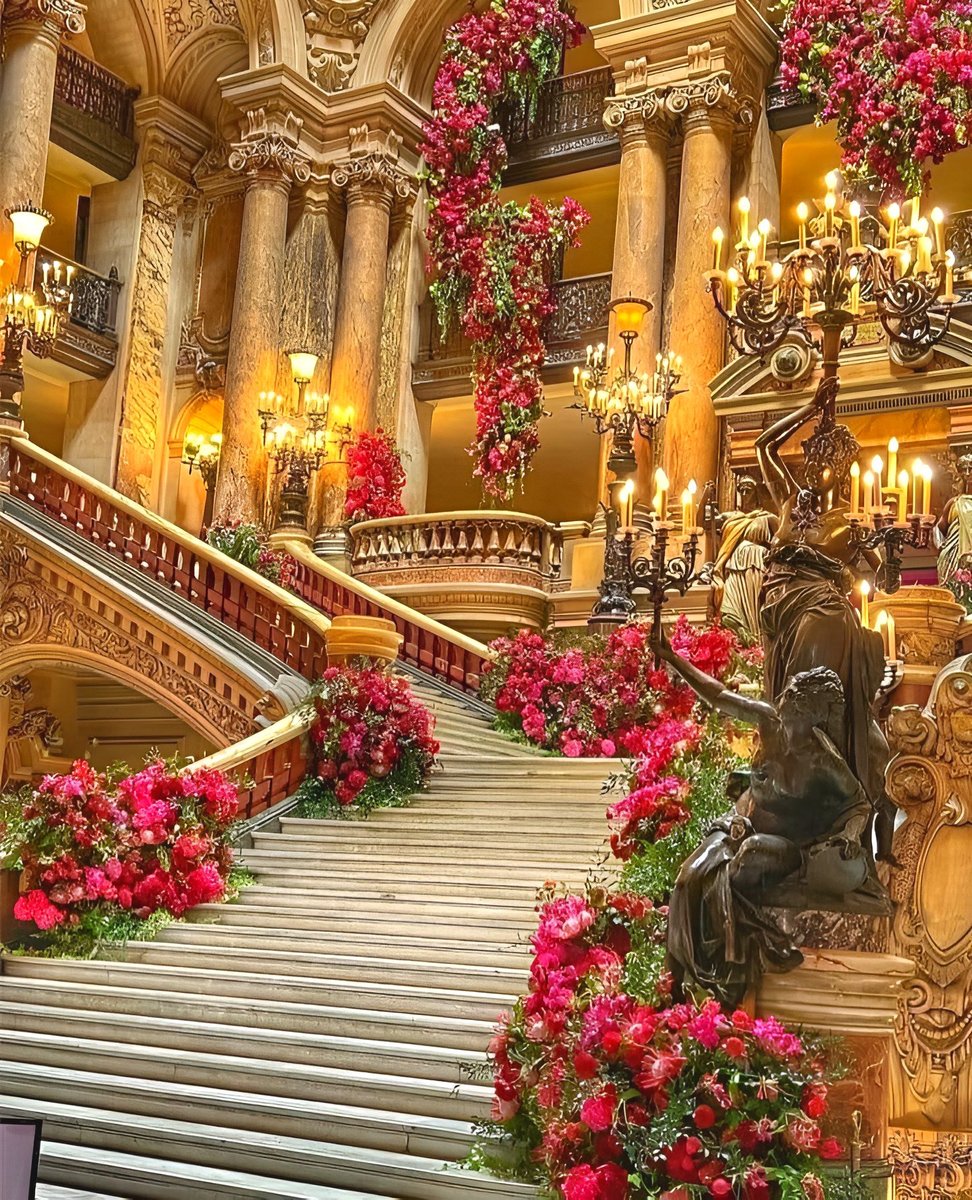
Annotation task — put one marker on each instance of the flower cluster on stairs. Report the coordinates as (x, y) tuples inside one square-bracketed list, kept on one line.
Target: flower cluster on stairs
[(608, 1086), (94, 846), (495, 260), (376, 477), (248, 543)]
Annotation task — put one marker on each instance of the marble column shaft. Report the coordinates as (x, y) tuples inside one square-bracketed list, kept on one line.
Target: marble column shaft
[(32, 34), (251, 364), (697, 332)]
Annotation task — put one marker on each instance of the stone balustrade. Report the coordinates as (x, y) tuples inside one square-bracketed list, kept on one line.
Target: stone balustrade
[(480, 572)]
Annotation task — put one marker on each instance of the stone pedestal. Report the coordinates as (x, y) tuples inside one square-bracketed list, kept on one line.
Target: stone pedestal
[(853, 995), (927, 622), (371, 638)]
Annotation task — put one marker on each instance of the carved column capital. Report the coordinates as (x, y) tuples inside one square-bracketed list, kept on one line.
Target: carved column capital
[(54, 17), (372, 173), (638, 112), (334, 31), (269, 149), (712, 101)]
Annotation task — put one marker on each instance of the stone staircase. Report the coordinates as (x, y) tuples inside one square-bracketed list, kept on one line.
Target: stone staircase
[(314, 1039)]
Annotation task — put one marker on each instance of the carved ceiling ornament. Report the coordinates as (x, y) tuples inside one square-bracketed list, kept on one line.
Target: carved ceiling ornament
[(182, 18), (269, 144), (372, 170), (931, 781), (58, 16), (335, 31), (34, 611)]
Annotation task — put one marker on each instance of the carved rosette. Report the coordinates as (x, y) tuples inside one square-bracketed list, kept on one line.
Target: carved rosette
[(57, 17), (372, 173), (269, 148), (931, 781), (335, 30)]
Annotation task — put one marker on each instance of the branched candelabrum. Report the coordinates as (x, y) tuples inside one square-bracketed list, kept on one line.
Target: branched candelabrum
[(821, 289), (880, 529)]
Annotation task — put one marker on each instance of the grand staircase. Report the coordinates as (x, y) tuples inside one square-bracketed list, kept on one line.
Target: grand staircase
[(316, 1038)]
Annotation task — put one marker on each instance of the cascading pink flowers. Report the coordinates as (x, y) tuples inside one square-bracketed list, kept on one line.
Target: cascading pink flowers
[(494, 260), (895, 76)]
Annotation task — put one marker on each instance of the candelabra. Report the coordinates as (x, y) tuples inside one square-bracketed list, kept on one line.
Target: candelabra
[(203, 454), (31, 313), (821, 289), (298, 438), (631, 401)]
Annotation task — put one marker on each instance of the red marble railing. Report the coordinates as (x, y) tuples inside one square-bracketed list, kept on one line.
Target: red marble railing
[(289, 627)]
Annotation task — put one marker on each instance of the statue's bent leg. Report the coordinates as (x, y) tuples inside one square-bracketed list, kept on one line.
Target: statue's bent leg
[(763, 861)]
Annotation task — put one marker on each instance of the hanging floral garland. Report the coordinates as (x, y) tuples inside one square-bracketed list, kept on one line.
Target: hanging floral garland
[(896, 77), (494, 261)]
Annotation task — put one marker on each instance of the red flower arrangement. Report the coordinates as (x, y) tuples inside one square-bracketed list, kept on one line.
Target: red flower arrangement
[(376, 477), (155, 840), (372, 741), (495, 260), (897, 79), (608, 1091)]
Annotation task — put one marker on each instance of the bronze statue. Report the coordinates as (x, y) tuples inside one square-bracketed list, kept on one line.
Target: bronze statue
[(745, 534), (807, 832)]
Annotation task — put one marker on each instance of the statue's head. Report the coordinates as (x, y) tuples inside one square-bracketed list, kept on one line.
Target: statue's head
[(747, 493), (814, 698), (829, 451), (964, 466)]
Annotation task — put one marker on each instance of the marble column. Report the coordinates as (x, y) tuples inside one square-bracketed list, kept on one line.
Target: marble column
[(644, 126), (269, 157), (32, 33), (697, 330), (373, 181)]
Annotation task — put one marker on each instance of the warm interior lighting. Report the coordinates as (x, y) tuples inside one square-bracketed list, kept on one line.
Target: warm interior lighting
[(29, 224), (630, 313), (303, 364)]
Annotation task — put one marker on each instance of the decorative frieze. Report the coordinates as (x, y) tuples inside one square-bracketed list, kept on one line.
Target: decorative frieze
[(335, 30), (58, 17), (270, 146)]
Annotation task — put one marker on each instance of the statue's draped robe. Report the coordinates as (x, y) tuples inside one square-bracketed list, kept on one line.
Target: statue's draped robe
[(737, 573), (958, 539)]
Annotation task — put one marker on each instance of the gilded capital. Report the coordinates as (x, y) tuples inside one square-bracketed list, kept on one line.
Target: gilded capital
[(57, 17), (372, 172), (269, 147)]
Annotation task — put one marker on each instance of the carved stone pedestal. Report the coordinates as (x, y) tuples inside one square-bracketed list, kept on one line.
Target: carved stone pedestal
[(372, 638), (853, 995)]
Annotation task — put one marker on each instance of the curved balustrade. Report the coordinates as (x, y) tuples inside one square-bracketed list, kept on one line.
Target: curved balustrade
[(292, 628), (481, 572)]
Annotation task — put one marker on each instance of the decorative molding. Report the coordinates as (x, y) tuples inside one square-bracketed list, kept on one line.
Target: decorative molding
[(372, 171), (58, 17), (930, 1166), (269, 146), (182, 18), (335, 30)]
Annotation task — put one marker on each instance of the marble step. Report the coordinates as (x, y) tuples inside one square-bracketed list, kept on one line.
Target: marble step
[(274, 1158), (331, 1120), (244, 974), (444, 843), (172, 1067), (257, 1015), (51, 1191), (388, 861), (521, 887), (414, 987), (367, 1055), (590, 825)]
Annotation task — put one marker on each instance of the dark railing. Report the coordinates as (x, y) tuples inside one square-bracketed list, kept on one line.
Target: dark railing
[(88, 88), (581, 315), (568, 105), (95, 297)]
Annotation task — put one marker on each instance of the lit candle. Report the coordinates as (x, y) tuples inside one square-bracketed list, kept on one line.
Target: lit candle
[(865, 603), (807, 285), (754, 240), (626, 496), (855, 473), (576, 376), (877, 466), (894, 213), (915, 207), (686, 511), (923, 263), (902, 495), (892, 638), (916, 469), (949, 268), (855, 222), (926, 478), (717, 238), (802, 213), (732, 278), (892, 461), (744, 208), (764, 228), (938, 224), (662, 484), (830, 203), (868, 482)]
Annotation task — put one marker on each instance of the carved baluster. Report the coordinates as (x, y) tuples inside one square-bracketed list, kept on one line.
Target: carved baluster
[(511, 548), (473, 548), (448, 544), (493, 546), (434, 547)]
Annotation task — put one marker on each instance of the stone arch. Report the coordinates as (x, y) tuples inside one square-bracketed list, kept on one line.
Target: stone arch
[(123, 38), (275, 33), (192, 78), (405, 45)]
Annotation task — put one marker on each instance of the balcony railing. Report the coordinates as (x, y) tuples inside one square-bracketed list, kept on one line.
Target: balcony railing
[(444, 361), (88, 341), (566, 123), (94, 113)]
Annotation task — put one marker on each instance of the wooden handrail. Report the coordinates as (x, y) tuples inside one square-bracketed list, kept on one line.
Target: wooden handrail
[(473, 514)]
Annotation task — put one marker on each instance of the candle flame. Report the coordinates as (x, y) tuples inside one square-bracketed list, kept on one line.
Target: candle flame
[(661, 480)]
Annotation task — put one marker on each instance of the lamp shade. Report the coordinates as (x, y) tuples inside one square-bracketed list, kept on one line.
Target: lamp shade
[(629, 313), (29, 224), (303, 364)]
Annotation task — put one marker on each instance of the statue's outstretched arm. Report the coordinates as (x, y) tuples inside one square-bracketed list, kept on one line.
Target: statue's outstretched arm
[(776, 475), (731, 704)]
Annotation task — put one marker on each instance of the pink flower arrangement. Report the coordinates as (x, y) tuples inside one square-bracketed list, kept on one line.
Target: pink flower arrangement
[(376, 477), (248, 543), (153, 840), (495, 260), (620, 1095), (896, 77), (373, 741)]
